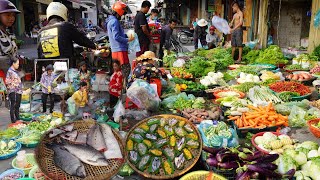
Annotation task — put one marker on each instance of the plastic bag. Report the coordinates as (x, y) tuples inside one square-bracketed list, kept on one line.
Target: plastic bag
[(143, 95), (296, 117), (134, 45), (119, 111), (285, 108), (221, 24), (218, 138), (136, 115), (73, 110), (179, 63), (316, 21)]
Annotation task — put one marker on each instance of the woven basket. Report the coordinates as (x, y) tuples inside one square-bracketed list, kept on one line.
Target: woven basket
[(203, 175), (44, 157), (188, 165), (315, 131)]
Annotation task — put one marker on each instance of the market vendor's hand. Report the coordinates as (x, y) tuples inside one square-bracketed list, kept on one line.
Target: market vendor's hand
[(131, 38), (231, 31)]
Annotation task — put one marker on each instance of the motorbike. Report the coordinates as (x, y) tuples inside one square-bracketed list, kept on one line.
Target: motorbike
[(185, 36), (95, 58)]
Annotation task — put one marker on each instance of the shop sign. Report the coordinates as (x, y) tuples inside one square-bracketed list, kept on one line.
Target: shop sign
[(44, 1)]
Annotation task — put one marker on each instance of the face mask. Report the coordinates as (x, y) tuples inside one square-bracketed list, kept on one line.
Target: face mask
[(155, 18)]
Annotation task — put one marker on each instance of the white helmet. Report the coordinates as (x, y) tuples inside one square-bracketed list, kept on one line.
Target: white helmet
[(57, 9)]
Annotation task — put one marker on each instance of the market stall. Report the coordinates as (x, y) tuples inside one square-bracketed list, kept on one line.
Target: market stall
[(258, 119)]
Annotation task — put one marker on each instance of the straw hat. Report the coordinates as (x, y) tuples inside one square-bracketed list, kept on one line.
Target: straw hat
[(150, 55), (202, 22)]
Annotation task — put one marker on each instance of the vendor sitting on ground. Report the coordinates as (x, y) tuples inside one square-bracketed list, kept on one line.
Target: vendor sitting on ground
[(46, 81), (84, 73), (145, 69), (81, 99), (115, 85)]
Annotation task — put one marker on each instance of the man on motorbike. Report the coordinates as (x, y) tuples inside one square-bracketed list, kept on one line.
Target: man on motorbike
[(118, 39), (56, 39)]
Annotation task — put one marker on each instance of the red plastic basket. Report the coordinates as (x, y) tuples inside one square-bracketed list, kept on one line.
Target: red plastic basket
[(315, 131), (261, 134)]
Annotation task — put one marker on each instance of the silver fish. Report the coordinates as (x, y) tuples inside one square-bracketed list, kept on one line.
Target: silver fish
[(81, 138), (95, 139), (55, 132), (70, 136), (179, 161), (114, 151), (67, 161), (68, 127), (87, 154)]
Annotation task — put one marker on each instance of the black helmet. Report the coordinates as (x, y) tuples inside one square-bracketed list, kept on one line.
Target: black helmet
[(7, 6)]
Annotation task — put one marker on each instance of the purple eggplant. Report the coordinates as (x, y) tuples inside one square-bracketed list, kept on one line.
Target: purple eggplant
[(263, 171), (225, 155), (255, 155), (289, 174), (228, 165), (244, 175), (213, 151), (212, 161), (269, 166), (267, 158)]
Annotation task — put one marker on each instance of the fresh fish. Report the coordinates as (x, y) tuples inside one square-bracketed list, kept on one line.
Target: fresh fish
[(151, 137), (179, 161), (188, 128), (67, 161), (68, 127), (155, 164), (81, 138), (70, 136), (55, 132), (181, 144), (133, 156), (173, 122), (95, 139), (113, 151), (87, 154)]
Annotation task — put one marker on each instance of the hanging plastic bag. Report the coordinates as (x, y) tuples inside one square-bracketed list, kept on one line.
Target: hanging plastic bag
[(72, 106), (316, 22), (221, 24), (119, 111), (134, 45)]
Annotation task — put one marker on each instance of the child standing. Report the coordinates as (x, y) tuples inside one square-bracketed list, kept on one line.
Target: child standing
[(46, 81), (81, 100), (115, 85)]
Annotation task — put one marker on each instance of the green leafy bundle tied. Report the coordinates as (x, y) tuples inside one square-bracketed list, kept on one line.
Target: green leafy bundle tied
[(199, 66), (271, 55)]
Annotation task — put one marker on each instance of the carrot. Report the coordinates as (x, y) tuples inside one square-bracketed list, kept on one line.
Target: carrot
[(245, 122), (269, 107), (240, 123), (279, 123), (253, 108), (252, 116), (233, 118), (251, 122)]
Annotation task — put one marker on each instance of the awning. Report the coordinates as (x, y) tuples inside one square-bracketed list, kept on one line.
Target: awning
[(44, 1)]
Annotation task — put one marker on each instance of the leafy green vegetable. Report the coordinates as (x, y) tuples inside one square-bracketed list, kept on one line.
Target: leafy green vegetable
[(286, 96), (169, 59), (39, 126), (199, 66), (271, 55), (10, 133), (28, 137), (295, 67), (316, 51), (244, 87), (221, 57), (251, 57)]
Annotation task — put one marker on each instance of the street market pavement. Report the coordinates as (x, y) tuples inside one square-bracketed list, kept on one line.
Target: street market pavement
[(30, 51)]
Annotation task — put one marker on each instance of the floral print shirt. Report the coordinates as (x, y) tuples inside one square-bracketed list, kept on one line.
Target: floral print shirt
[(13, 81), (145, 72), (47, 80), (115, 85)]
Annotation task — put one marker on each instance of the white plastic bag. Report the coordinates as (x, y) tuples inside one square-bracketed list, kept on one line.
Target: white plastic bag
[(143, 95), (119, 111), (221, 24), (179, 63)]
